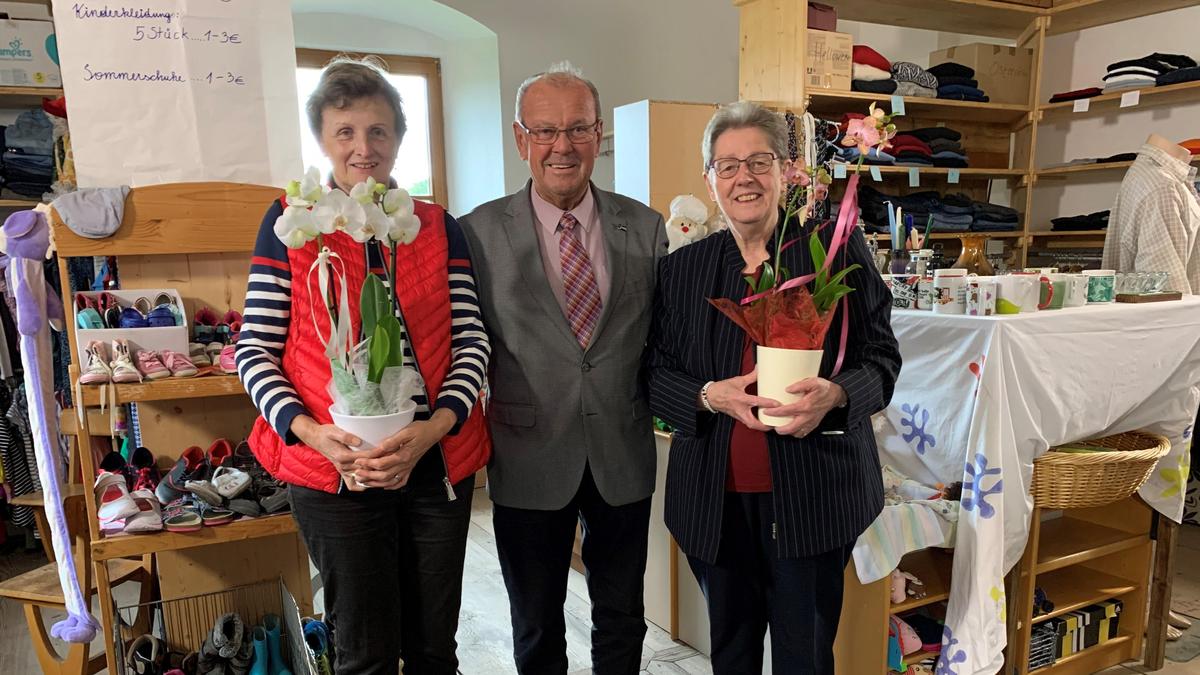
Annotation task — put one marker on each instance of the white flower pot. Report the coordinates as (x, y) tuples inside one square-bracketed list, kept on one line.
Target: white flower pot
[(374, 429), (779, 369)]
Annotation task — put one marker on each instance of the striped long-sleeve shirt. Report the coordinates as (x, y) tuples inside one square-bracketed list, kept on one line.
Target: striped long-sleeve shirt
[(268, 310)]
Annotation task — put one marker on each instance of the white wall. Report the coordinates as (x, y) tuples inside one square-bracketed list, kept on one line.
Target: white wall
[(1078, 60)]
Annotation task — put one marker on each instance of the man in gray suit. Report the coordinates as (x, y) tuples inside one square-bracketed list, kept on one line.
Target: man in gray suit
[(566, 275)]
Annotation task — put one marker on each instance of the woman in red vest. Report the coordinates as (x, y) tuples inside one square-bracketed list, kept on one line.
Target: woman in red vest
[(391, 553)]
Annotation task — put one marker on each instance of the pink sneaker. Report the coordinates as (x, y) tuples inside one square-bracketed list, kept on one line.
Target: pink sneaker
[(122, 364), (178, 364), (97, 370), (151, 366), (228, 362)]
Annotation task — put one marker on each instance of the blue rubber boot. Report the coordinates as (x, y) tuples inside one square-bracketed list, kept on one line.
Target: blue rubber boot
[(261, 659), (272, 628)]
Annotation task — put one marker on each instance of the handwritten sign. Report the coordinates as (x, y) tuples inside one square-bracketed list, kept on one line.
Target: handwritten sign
[(168, 91)]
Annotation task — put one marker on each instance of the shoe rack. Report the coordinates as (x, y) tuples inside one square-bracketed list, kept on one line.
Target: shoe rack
[(197, 238)]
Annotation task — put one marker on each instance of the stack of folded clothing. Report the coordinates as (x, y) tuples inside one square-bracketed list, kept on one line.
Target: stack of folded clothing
[(953, 213), (872, 72), (28, 160), (1077, 94), (844, 155), (994, 218), (910, 150), (946, 145), (1090, 221), (913, 80), (874, 206), (957, 82), (1148, 71)]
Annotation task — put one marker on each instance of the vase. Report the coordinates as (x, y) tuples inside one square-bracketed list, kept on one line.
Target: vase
[(779, 369), (974, 256), (374, 429), (899, 262)]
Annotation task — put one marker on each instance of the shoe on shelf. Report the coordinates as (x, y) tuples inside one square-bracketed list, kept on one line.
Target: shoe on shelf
[(97, 370), (123, 370), (161, 317), (182, 515), (316, 636), (230, 325), (112, 497), (204, 490), (243, 458), (225, 639), (214, 514), (205, 325), (227, 360), (230, 482), (178, 364), (214, 349), (147, 656), (191, 465), (149, 517), (131, 317), (151, 365), (110, 309), (198, 356), (144, 470), (274, 629), (219, 453), (1178, 620)]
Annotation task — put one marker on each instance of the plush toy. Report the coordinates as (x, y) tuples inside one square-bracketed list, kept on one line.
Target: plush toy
[(687, 222), (26, 242)]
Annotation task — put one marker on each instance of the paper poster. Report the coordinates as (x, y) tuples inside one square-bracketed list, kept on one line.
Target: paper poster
[(168, 91)]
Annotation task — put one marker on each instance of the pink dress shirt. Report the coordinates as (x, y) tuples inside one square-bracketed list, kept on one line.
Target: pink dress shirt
[(591, 236)]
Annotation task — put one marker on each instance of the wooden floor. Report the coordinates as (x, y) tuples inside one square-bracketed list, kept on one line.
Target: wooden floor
[(484, 634)]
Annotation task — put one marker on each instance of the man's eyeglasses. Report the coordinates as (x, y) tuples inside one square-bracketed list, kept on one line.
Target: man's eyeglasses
[(758, 163), (583, 133)]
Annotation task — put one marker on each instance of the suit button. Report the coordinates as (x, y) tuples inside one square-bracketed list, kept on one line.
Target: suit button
[(586, 366)]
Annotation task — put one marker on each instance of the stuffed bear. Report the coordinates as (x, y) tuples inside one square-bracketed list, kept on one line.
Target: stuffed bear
[(687, 222)]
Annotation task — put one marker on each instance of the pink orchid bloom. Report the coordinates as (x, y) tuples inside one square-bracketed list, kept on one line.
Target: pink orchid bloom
[(797, 175), (862, 133)]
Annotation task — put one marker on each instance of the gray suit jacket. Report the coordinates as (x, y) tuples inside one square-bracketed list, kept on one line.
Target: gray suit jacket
[(554, 407)]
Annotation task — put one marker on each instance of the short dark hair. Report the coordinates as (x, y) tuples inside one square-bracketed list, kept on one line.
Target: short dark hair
[(346, 80)]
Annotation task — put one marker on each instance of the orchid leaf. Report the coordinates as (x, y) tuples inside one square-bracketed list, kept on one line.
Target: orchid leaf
[(750, 282), (837, 278), (395, 340), (373, 303), (379, 354), (767, 280), (817, 250), (784, 275)]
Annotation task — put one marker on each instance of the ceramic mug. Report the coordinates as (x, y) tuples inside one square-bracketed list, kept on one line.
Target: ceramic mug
[(1075, 291), (1101, 285), (904, 290), (981, 296), (925, 293), (1016, 293), (949, 291), (1041, 270)]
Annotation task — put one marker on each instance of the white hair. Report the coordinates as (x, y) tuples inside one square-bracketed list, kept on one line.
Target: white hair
[(560, 74)]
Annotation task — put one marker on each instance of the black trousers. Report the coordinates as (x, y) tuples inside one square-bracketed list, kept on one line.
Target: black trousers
[(392, 566), (750, 587), (535, 558)]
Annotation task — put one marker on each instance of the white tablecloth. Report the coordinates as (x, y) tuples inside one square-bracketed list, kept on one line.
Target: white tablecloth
[(980, 397)]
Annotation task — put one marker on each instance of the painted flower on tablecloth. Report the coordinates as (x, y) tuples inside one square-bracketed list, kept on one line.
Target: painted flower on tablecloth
[(977, 500), (917, 431), (997, 594), (1177, 478), (950, 657)]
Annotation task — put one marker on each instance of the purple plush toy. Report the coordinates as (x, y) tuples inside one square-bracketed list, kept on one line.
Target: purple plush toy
[(27, 237)]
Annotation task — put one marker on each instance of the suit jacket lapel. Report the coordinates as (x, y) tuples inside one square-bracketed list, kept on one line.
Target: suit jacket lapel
[(729, 338), (527, 256), (615, 232)]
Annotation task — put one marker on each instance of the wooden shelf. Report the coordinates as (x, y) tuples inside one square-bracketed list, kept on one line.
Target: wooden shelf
[(1017, 234), (914, 659), (19, 203), (1078, 662), (1070, 590), (837, 102), (1067, 541), (940, 171), (1074, 15), (28, 95), (1064, 171), (168, 389), (1077, 233), (981, 17), (933, 567), (127, 545), (1108, 103)]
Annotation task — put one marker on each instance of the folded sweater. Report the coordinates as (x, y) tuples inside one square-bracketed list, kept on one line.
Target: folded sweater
[(864, 72), (874, 86), (951, 69), (905, 71)]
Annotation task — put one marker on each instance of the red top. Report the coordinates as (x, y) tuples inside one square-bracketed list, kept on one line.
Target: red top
[(749, 461)]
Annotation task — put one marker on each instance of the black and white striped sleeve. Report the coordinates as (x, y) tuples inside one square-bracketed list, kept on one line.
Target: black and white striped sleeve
[(470, 349)]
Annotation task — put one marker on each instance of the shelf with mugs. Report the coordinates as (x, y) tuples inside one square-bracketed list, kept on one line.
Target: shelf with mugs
[(166, 389), (832, 101), (1183, 92), (127, 545), (942, 236)]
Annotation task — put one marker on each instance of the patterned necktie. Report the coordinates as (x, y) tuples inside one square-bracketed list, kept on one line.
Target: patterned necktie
[(579, 282)]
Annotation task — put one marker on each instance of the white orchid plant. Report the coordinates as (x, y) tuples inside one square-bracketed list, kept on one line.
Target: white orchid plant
[(369, 376)]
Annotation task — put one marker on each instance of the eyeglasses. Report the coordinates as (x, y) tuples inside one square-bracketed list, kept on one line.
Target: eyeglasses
[(758, 163), (583, 133)]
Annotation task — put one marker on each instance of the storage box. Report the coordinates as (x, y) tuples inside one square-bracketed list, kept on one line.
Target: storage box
[(1003, 72), (28, 54), (1087, 627), (830, 60), (822, 17), (174, 338)]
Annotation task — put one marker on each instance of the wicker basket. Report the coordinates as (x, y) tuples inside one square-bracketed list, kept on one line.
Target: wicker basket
[(1067, 480)]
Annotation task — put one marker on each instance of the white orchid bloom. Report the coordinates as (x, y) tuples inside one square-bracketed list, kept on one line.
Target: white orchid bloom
[(307, 191), (295, 227), (364, 193), (403, 229), (337, 211), (396, 202), (374, 224)]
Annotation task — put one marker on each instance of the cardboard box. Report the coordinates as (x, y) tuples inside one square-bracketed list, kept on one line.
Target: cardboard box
[(1003, 72), (830, 60), (28, 54)]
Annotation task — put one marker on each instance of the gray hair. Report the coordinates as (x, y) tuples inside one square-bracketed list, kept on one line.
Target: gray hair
[(346, 80), (745, 115), (560, 74)]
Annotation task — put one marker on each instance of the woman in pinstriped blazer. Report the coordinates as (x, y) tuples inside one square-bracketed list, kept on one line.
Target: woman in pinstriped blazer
[(767, 517)]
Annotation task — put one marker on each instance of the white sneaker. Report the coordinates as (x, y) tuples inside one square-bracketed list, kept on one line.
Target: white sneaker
[(198, 356), (96, 371), (123, 370)]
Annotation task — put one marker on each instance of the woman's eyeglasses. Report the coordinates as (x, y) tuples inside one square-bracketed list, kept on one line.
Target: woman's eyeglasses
[(758, 164)]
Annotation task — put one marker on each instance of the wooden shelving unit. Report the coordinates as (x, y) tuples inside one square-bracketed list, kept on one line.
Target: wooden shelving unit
[(197, 238), (1088, 169), (828, 100), (1183, 92)]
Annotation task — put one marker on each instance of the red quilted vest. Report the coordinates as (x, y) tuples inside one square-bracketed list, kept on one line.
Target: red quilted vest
[(424, 292)]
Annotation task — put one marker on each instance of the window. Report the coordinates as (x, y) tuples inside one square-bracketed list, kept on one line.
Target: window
[(420, 165)]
